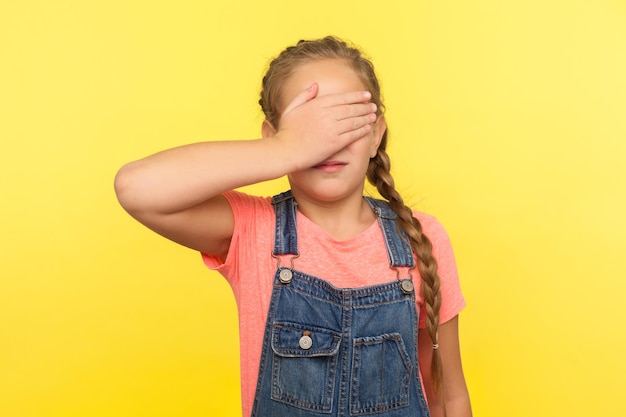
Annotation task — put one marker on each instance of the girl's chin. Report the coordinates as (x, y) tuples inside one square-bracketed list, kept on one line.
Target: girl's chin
[(325, 191)]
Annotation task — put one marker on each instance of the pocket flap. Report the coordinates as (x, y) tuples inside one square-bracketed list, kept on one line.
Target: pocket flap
[(286, 340)]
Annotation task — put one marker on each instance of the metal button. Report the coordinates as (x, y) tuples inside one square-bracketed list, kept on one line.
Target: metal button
[(306, 342), (285, 276), (407, 286)]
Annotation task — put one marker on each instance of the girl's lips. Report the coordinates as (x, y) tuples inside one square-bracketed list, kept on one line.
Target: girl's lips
[(330, 166)]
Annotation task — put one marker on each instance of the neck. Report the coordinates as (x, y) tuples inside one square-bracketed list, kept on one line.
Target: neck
[(343, 219)]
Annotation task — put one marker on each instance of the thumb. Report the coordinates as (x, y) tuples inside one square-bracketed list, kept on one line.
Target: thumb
[(303, 97)]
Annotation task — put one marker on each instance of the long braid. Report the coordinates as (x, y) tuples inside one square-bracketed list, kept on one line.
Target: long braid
[(379, 174)]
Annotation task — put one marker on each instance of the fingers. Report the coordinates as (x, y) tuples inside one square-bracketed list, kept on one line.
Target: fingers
[(351, 104), (347, 98), (356, 124), (348, 111), (303, 97), (353, 135), (348, 105)]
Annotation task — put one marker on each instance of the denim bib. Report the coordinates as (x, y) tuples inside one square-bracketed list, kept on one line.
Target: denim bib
[(331, 351)]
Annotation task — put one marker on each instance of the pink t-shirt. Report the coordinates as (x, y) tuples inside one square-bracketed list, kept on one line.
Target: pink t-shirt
[(249, 268)]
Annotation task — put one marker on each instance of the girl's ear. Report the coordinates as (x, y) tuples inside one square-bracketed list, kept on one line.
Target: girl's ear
[(267, 129), (378, 130)]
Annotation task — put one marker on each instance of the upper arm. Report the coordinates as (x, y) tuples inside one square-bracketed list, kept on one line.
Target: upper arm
[(206, 227)]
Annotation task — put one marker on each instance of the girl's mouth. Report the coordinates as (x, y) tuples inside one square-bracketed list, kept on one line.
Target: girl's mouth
[(330, 166)]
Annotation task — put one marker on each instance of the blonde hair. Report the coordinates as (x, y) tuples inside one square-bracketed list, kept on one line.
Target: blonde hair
[(379, 170)]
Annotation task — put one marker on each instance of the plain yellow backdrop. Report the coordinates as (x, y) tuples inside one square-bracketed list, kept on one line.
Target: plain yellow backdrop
[(507, 121)]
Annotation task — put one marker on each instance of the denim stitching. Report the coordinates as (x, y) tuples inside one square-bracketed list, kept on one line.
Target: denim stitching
[(385, 405), (398, 247)]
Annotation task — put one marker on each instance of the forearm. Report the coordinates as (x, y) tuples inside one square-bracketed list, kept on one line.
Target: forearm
[(183, 177), (458, 406), (456, 394)]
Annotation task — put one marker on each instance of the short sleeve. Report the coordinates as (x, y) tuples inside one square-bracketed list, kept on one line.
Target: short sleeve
[(253, 218), (452, 300)]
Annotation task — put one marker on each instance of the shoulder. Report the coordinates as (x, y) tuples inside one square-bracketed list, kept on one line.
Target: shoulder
[(242, 199), (253, 215), (438, 236), (431, 226), (244, 204), (253, 224)]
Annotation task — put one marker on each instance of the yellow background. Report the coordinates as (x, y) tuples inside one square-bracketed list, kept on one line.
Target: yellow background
[(508, 122)]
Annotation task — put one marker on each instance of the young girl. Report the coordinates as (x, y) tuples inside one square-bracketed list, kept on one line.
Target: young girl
[(331, 286)]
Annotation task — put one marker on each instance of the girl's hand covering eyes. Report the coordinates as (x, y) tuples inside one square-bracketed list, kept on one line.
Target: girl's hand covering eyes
[(316, 127)]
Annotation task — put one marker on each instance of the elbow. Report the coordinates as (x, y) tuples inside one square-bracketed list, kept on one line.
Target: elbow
[(127, 188)]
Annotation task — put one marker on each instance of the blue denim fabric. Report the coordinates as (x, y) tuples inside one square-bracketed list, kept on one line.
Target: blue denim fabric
[(362, 355)]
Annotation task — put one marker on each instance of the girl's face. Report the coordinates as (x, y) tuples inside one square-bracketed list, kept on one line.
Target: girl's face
[(337, 182)]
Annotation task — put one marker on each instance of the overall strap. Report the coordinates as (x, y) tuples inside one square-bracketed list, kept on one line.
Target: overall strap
[(285, 236), (398, 246)]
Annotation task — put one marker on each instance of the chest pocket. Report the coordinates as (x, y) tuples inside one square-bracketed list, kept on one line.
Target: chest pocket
[(304, 365)]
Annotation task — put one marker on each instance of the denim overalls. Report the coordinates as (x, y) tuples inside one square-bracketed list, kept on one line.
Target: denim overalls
[(331, 351)]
